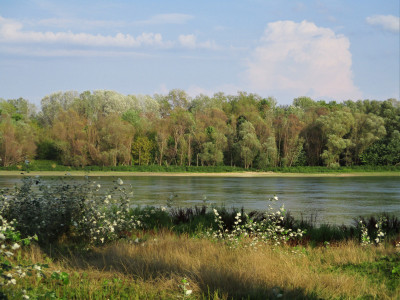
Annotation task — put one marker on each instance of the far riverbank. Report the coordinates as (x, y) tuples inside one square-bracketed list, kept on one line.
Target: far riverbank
[(194, 174)]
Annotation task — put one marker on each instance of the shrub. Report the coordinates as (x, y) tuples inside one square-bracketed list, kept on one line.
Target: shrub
[(69, 209)]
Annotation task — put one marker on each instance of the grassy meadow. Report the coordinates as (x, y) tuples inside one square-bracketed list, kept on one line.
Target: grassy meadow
[(154, 267)]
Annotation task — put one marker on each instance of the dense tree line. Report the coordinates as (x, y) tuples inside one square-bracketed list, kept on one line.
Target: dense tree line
[(107, 128)]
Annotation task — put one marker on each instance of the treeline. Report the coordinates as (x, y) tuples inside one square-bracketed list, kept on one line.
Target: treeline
[(105, 128)]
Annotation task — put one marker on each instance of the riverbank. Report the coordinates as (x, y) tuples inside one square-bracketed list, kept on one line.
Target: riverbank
[(193, 174), (111, 250)]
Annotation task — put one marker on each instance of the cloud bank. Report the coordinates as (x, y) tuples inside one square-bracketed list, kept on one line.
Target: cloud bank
[(173, 18), (302, 59), (11, 32), (190, 41), (388, 23)]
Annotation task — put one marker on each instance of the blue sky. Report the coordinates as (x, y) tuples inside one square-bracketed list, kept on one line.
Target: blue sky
[(323, 49)]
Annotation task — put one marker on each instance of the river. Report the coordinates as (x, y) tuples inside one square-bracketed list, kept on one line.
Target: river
[(334, 200)]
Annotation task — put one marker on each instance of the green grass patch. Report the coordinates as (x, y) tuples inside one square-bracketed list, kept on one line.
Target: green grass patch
[(48, 165), (384, 270)]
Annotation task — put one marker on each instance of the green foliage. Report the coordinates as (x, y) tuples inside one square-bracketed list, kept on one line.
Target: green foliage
[(383, 152), (141, 150), (47, 150), (248, 144), (106, 128)]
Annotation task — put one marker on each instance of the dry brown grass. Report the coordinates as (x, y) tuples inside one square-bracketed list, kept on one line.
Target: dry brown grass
[(212, 268)]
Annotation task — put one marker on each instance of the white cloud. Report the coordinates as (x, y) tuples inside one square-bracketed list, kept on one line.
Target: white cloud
[(190, 41), (167, 19), (389, 22), (43, 52), (77, 23), (11, 32), (302, 59)]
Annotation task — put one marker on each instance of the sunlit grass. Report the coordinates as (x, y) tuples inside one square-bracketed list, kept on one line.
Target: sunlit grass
[(154, 266)]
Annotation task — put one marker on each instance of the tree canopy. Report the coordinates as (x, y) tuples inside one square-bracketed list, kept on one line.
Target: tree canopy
[(107, 128)]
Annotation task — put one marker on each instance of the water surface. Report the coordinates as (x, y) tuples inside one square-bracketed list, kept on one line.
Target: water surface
[(335, 200)]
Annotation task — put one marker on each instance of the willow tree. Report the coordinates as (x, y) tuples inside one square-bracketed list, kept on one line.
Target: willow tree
[(248, 144), (17, 141), (367, 129), (335, 126), (110, 141), (69, 132), (182, 133)]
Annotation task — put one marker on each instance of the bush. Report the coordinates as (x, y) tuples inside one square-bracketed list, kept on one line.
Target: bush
[(74, 210)]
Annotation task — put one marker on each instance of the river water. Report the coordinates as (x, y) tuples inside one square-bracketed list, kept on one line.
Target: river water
[(335, 200)]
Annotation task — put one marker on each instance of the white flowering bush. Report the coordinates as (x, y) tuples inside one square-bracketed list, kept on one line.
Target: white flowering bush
[(105, 218), (380, 235), (10, 243), (365, 239), (77, 211), (42, 209), (269, 230), (372, 234)]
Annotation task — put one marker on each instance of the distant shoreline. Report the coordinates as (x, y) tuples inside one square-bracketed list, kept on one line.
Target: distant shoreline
[(194, 174)]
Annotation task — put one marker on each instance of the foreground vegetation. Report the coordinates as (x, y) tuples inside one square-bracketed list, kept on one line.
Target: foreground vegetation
[(107, 129), (156, 266), (75, 241)]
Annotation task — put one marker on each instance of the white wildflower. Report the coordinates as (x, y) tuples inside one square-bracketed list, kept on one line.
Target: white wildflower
[(15, 246), (37, 267)]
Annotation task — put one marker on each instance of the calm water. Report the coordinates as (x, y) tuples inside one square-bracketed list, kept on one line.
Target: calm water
[(332, 199)]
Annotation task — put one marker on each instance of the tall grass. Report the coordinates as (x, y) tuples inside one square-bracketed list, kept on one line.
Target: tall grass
[(154, 267)]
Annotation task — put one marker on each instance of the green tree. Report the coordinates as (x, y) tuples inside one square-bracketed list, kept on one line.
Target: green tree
[(110, 140), (141, 150), (248, 144), (335, 127), (367, 129)]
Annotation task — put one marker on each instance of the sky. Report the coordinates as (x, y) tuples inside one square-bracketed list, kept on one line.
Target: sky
[(326, 50)]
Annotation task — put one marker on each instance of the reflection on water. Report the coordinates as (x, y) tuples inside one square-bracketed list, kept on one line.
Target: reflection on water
[(333, 199)]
